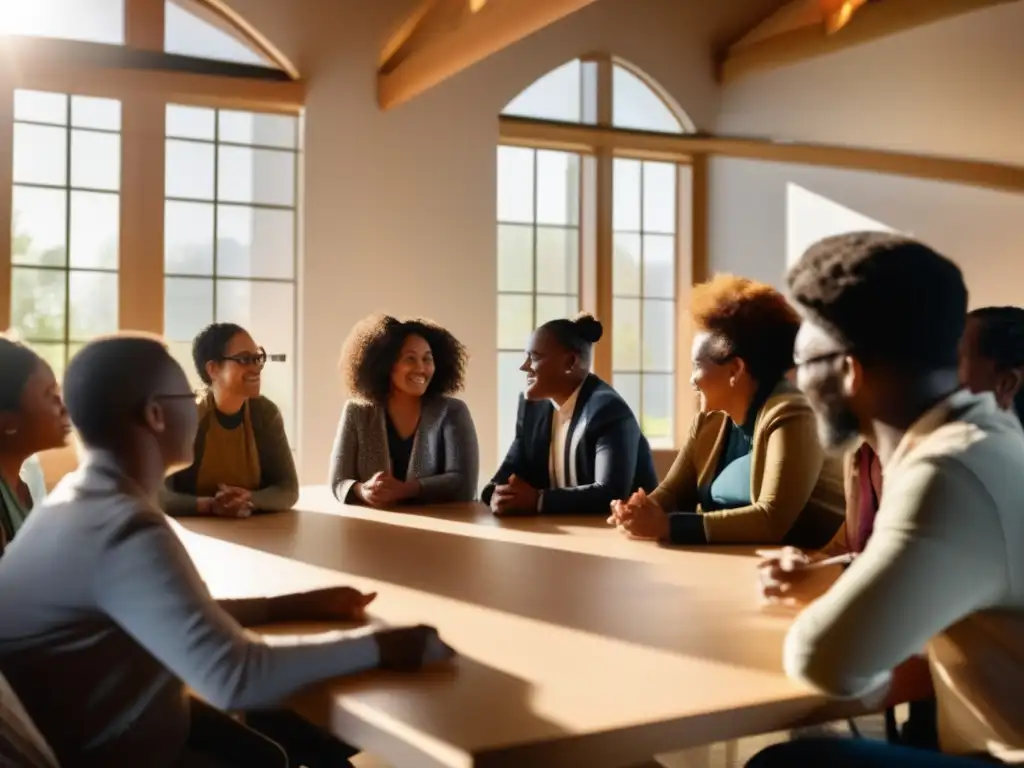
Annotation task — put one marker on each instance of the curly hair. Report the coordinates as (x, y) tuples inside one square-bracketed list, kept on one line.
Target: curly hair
[(210, 344), (749, 320), (887, 298), (373, 346), (1001, 340)]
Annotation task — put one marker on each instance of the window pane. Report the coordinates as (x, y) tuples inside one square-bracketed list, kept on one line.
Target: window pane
[(39, 226), (636, 106), (188, 307), (54, 354), (658, 405), (659, 335), (95, 160), (182, 352), (95, 230), (188, 34), (95, 21), (258, 128), (626, 331), (40, 154), (558, 257), (510, 384), (255, 176), (267, 311), (41, 107), (515, 257), (626, 265), (555, 307), (659, 266), (558, 188), (555, 96), (628, 385), (190, 122), (515, 184), (660, 197), (515, 321), (38, 303), (89, 112), (93, 304), (188, 238), (626, 195), (255, 242), (189, 170)]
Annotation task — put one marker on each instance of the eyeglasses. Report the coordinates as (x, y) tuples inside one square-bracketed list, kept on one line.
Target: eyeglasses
[(247, 359), (822, 358)]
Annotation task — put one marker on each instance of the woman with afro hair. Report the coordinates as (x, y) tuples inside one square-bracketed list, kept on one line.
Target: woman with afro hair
[(752, 470), (403, 438)]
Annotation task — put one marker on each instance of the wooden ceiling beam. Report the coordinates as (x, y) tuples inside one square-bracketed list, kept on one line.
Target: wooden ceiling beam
[(445, 37), (873, 20)]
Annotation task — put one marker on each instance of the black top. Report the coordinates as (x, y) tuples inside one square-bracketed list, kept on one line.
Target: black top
[(612, 461), (400, 451)]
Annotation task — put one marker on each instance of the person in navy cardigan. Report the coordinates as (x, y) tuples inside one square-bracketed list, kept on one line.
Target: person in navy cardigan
[(578, 446)]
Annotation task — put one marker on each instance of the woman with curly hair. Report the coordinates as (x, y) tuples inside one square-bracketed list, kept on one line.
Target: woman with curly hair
[(404, 438), (243, 462), (752, 470)]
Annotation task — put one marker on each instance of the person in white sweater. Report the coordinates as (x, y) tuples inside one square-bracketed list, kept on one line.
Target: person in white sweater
[(105, 618)]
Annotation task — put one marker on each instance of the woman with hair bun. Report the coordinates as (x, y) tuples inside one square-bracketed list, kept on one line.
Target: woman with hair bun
[(578, 446)]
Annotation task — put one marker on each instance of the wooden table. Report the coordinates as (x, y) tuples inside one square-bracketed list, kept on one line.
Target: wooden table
[(577, 646)]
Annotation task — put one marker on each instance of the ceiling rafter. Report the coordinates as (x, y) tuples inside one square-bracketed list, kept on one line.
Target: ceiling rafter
[(443, 37), (804, 29)]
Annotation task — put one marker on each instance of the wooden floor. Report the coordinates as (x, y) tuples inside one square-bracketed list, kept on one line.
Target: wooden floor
[(732, 755)]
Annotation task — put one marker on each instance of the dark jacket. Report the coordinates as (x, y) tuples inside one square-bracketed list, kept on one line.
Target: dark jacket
[(612, 458)]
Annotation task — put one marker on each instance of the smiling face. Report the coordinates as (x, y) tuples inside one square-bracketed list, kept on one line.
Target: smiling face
[(548, 367), (41, 422), (413, 370), (239, 371)]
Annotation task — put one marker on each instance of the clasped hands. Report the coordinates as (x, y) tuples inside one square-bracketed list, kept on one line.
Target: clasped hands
[(514, 497), (229, 501), (791, 577), (383, 490), (640, 517)]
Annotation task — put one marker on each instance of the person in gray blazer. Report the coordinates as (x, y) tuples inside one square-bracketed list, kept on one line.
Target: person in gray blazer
[(403, 437)]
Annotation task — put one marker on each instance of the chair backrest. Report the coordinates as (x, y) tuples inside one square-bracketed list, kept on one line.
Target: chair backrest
[(21, 744), (59, 462)]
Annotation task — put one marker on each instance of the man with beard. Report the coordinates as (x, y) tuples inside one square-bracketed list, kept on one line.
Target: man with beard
[(877, 358)]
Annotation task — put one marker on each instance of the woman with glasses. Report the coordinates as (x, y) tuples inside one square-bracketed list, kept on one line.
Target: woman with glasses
[(752, 470), (243, 462)]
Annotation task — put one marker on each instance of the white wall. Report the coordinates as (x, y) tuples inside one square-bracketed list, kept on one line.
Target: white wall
[(400, 206), (954, 88)]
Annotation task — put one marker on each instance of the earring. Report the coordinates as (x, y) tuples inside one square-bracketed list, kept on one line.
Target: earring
[(11, 431), (732, 381)]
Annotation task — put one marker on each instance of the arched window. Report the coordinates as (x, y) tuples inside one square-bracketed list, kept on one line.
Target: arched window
[(228, 200), (594, 230)]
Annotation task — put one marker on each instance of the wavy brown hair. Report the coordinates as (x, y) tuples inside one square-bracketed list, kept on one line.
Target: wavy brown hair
[(372, 348), (749, 320)]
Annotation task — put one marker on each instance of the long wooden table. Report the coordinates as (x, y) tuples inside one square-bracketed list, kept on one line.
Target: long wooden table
[(577, 646)]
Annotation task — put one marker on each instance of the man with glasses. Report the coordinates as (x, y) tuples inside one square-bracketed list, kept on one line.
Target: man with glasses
[(105, 619)]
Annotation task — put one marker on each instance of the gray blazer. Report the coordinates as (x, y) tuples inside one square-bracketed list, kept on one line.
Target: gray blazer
[(445, 455)]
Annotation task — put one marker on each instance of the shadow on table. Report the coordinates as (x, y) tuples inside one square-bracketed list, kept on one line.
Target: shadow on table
[(431, 705), (627, 600)]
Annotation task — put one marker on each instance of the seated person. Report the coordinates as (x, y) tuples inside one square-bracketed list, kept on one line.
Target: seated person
[(752, 470), (243, 461), (404, 438), (105, 618), (992, 355), (877, 357), (578, 445), (32, 419)]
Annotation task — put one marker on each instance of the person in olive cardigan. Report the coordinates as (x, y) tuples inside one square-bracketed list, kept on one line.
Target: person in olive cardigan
[(243, 461), (752, 470)]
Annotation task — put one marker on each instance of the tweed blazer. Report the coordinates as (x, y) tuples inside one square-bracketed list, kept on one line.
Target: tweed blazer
[(445, 454)]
